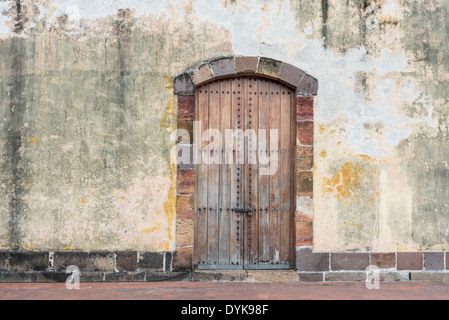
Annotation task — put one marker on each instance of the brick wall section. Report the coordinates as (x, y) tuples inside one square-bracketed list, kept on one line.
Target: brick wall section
[(410, 261), (304, 168), (355, 266), (185, 181), (131, 266), (186, 108)]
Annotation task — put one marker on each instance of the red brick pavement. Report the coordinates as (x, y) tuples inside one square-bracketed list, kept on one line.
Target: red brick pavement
[(225, 291)]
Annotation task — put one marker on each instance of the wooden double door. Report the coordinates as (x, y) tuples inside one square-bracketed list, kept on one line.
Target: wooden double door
[(245, 155)]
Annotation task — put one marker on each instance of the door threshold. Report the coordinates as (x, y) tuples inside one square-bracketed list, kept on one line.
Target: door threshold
[(275, 276)]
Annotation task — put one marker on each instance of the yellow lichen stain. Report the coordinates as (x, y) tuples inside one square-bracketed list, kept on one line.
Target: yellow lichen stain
[(151, 230), (170, 204), (67, 248), (323, 154), (27, 247), (321, 128), (35, 140), (402, 249), (344, 183), (84, 201), (169, 119)]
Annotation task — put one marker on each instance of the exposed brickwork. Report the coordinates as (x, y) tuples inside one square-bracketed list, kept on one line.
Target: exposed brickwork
[(269, 67), (304, 133), (185, 182), (301, 217), (66, 259), (185, 208), (186, 108), (184, 233), (187, 133), (311, 277), (126, 261), (3, 261), (383, 260), (308, 86), (304, 108), (28, 261), (183, 259), (185, 157), (304, 234), (304, 209), (345, 276), (307, 260), (304, 183), (202, 74), (183, 85), (447, 260), (410, 261), (349, 261), (304, 158), (246, 65), (151, 261), (429, 276), (223, 67), (392, 276), (101, 261), (291, 74), (125, 277), (434, 261)]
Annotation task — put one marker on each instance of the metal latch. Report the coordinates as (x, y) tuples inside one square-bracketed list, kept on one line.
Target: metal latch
[(242, 210)]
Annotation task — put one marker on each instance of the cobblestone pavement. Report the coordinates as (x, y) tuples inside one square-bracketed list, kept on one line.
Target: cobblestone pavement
[(225, 291)]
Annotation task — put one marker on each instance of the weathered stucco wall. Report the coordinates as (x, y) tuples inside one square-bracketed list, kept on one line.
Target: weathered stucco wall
[(87, 108)]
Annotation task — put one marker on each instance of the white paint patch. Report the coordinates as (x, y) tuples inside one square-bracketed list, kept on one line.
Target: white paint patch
[(4, 6), (94, 9)]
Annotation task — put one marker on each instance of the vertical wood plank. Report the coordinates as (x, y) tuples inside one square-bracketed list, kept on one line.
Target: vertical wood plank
[(253, 183), (236, 224), (292, 181), (264, 181), (214, 174), (225, 173), (202, 178), (275, 192), (285, 152), (197, 150)]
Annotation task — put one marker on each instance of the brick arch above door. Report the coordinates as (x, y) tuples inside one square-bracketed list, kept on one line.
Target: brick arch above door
[(306, 88)]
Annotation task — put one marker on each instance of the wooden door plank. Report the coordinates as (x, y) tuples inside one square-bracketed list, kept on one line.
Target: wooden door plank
[(264, 180), (285, 167), (275, 194), (225, 180), (214, 173), (236, 223), (197, 153), (252, 173), (202, 179)]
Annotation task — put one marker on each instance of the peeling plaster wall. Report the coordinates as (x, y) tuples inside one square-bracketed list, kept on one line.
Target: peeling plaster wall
[(87, 109)]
